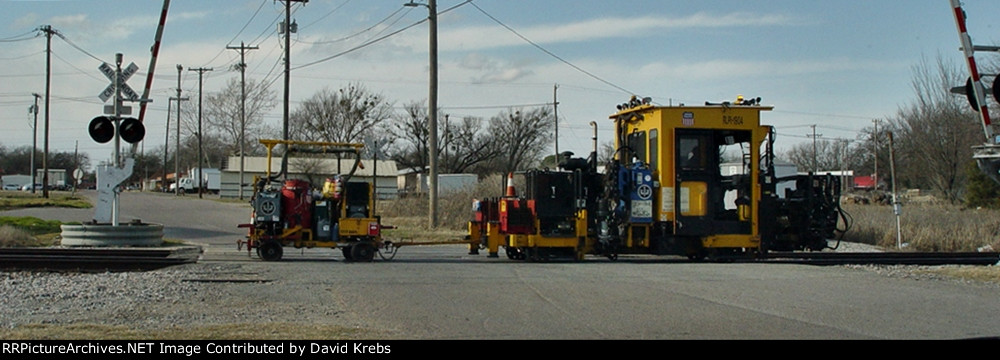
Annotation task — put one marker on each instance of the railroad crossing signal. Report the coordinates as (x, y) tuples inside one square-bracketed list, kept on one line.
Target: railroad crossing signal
[(102, 128)]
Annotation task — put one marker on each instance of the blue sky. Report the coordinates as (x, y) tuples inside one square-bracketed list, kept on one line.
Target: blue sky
[(833, 64)]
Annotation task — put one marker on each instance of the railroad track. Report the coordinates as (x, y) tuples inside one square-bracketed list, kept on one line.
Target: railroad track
[(142, 259), (96, 259), (885, 258)]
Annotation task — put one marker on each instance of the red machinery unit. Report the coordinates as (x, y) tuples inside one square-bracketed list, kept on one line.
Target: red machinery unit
[(296, 203)]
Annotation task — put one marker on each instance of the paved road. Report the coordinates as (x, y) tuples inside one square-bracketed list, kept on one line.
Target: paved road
[(441, 292), (202, 220)]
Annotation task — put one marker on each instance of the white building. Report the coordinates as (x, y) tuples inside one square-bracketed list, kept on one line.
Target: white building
[(314, 170)]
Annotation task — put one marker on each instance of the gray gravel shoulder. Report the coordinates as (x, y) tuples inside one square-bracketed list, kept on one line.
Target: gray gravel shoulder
[(180, 296)]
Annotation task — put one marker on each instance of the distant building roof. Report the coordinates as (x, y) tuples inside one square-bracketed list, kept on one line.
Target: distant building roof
[(312, 165), (864, 182)]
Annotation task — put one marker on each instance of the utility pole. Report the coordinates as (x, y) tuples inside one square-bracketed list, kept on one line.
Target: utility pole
[(177, 149), (48, 85), (875, 146), (34, 146), (166, 143), (814, 136), (288, 30), (555, 115), (201, 185), (432, 142), (243, 104)]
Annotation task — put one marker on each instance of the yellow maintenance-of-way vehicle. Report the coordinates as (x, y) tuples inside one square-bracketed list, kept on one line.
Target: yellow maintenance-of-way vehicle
[(697, 181), (294, 212)]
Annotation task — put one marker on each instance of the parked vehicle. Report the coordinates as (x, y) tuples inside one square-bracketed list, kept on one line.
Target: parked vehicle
[(11, 187), (27, 187), (189, 183)]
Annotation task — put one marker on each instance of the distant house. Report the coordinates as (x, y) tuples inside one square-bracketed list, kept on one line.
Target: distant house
[(413, 182)]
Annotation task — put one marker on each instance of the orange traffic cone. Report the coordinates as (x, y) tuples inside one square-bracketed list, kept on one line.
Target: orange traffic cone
[(510, 185)]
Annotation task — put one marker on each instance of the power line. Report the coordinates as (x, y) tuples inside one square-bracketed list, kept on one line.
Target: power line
[(64, 38), (363, 45), (359, 32), (378, 39), (327, 14), (87, 73), (825, 115), (248, 21), (539, 47), (21, 37)]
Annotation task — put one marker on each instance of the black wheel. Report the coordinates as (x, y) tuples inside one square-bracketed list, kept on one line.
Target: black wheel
[(347, 252), (270, 251), (363, 251), (512, 253), (697, 256)]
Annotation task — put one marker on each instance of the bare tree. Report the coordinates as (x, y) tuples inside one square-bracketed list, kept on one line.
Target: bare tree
[(464, 144), (347, 115), (221, 113), (934, 135), (830, 155), (522, 136), (411, 132)]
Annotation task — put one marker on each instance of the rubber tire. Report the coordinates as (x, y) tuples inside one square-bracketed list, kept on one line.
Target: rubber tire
[(347, 252), (270, 251), (363, 251)]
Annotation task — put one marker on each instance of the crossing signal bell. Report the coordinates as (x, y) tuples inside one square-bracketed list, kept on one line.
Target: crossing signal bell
[(102, 129)]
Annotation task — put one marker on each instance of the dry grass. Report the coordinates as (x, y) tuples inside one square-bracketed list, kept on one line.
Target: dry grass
[(973, 273), (926, 227), (241, 331), (13, 237), (410, 215)]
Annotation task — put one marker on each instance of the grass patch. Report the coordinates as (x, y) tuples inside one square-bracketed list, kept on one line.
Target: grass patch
[(417, 229), (32, 224), (16, 200), (238, 331), (975, 273), (926, 227)]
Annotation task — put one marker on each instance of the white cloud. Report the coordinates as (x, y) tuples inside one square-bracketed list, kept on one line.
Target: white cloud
[(495, 36), (492, 70), (28, 20)]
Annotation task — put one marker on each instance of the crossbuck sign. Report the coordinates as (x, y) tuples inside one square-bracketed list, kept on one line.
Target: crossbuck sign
[(127, 92)]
